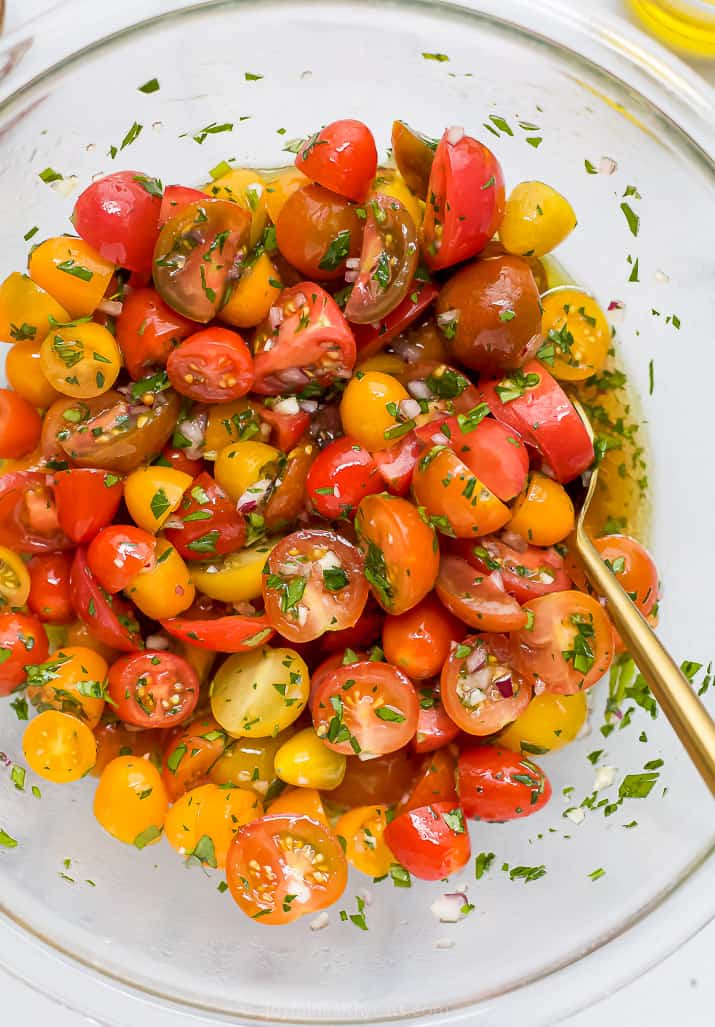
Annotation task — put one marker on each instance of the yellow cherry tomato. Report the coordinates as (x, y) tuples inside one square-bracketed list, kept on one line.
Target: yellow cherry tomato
[(543, 513), (368, 407), (165, 589), (245, 187), (202, 660), (73, 681), (256, 291), (536, 219), (26, 309), (363, 831), (307, 762), (59, 747), (72, 272), (25, 375), (230, 422), (250, 763), (241, 464), (260, 693), (82, 361), (549, 722), (237, 578), (14, 579), (385, 363), (202, 822), (153, 493), (391, 183), (77, 634), (131, 802), (280, 187), (573, 322), (301, 802)]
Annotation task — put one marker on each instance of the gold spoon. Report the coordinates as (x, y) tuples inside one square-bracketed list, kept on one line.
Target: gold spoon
[(688, 717)]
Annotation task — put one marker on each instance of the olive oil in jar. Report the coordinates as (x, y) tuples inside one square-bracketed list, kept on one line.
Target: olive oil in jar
[(684, 25)]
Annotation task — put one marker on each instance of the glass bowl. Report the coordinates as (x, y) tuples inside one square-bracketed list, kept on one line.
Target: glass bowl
[(154, 942)]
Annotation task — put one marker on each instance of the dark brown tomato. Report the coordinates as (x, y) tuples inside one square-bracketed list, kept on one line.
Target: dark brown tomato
[(317, 231), (288, 499), (413, 155)]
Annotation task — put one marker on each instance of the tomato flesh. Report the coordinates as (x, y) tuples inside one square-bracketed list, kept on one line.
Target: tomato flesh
[(87, 500), (482, 689), (153, 689), (211, 366), (108, 617)]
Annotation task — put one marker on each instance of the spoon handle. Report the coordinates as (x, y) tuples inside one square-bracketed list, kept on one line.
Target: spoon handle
[(688, 717)]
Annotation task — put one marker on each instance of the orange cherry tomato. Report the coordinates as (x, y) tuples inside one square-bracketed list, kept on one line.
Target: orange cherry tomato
[(131, 802), (419, 641), (317, 231), (72, 273), (301, 802), (59, 747), (385, 780), (363, 832), (477, 599), (457, 501), (73, 681), (481, 687), (116, 739), (20, 425), (202, 823), (435, 781), (634, 568), (190, 755), (25, 375)]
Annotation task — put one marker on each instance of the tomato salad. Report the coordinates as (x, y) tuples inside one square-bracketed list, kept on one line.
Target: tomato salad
[(284, 517)]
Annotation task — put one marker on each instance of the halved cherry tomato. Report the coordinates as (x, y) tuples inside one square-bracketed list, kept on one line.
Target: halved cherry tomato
[(366, 708), (23, 642), (481, 685), (50, 597), (234, 633), (118, 553), (363, 832), (567, 644), (210, 523), (340, 476), (153, 689), (370, 410), (576, 333), (385, 780), (371, 339), (414, 154), (24, 374), (15, 582), (130, 802), (342, 157), (194, 254), (634, 568), (173, 456), (71, 680), (287, 500), (110, 618), (299, 802), (72, 272), (28, 515), (147, 331), (401, 551), (526, 573), (190, 754), (459, 503), (435, 728), (114, 739), (543, 513), (59, 747), (282, 183), (286, 428), (164, 588), (548, 723), (118, 216), (419, 641), (397, 463), (496, 784), (388, 261), (26, 310), (435, 781), (211, 366), (250, 763), (202, 823), (87, 500), (81, 359), (317, 231), (313, 582), (479, 600), (312, 343), (533, 403), (465, 200), (175, 199), (430, 842), (20, 425), (363, 634), (260, 693), (281, 867)]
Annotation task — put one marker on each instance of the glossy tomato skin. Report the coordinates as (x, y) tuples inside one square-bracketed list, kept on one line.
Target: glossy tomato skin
[(526, 574), (414, 154), (458, 501), (286, 429), (431, 842), (419, 641), (211, 366), (342, 157), (23, 641), (435, 781), (371, 339), (190, 753), (397, 463), (465, 201), (211, 524), (633, 567), (435, 728), (87, 500), (232, 633), (153, 689), (477, 599), (172, 456), (50, 596), (28, 514), (175, 198), (386, 779), (481, 684), (110, 618), (147, 331), (20, 425), (118, 553), (317, 231), (118, 215), (496, 784), (340, 476)]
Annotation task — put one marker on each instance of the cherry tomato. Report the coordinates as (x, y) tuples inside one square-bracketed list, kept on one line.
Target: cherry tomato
[(372, 338), (58, 747), (317, 231), (299, 802), (210, 523), (314, 582), (237, 578), (366, 708), (190, 755), (286, 428), (306, 762), (147, 331), (401, 551), (340, 476), (175, 199), (118, 553), (370, 409), (118, 216), (414, 154), (365, 633), (194, 254), (20, 425), (73, 681), (203, 822), (435, 728), (342, 157), (526, 573), (543, 513), (363, 832), (211, 366), (459, 503), (477, 599), (110, 618), (496, 784), (72, 272), (576, 333), (465, 200), (634, 568), (23, 643), (234, 633), (173, 456), (87, 500), (24, 374), (153, 689), (28, 515), (80, 360), (435, 782), (419, 641), (482, 686), (549, 722), (15, 581), (26, 310), (567, 644), (131, 802), (312, 343), (287, 500), (385, 780), (430, 842), (50, 596), (164, 588), (397, 463), (254, 294), (79, 635), (536, 219), (388, 261)]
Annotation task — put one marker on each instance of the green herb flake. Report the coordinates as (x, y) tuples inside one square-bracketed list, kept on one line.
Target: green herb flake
[(631, 217), (149, 834), (49, 175), (152, 86), (482, 864), (440, 57), (6, 840)]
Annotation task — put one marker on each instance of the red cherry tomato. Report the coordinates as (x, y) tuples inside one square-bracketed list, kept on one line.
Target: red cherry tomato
[(435, 728), (364, 634), (366, 708), (233, 633), (477, 599), (153, 689), (147, 330), (118, 553), (370, 338), (497, 784), (20, 425), (526, 574), (118, 216), (431, 842), (23, 641), (108, 617), (340, 476), (312, 343), (190, 753), (211, 524), (397, 463), (533, 403), (419, 641), (465, 200), (28, 515), (482, 690), (171, 456), (342, 157), (286, 429), (87, 500), (50, 596), (175, 199), (435, 782), (211, 366)]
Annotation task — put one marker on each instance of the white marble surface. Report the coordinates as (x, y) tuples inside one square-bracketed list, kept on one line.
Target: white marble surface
[(679, 991)]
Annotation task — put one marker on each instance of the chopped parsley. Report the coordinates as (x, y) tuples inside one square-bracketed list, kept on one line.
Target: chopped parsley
[(152, 86)]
